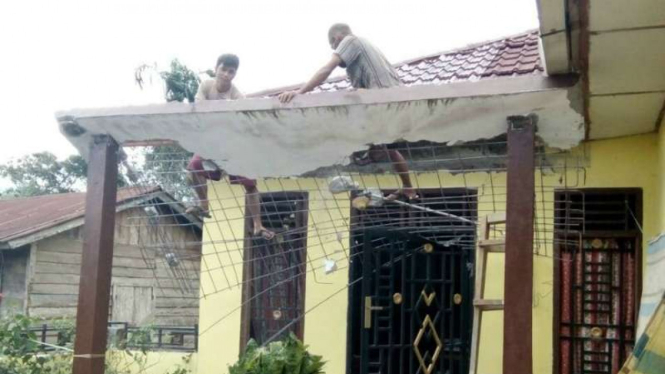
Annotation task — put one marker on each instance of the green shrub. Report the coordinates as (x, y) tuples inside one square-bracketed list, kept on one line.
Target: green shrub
[(18, 347), (289, 356), (21, 354)]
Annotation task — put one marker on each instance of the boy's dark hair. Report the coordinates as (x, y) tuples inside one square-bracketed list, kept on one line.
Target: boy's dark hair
[(229, 60)]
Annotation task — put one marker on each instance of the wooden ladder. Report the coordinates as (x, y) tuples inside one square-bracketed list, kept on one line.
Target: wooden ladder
[(484, 246)]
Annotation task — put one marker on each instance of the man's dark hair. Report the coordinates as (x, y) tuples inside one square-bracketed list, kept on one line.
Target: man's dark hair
[(339, 28), (229, 60)]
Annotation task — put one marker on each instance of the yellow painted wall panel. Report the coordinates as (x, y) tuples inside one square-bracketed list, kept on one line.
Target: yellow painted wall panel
[(624, 162)]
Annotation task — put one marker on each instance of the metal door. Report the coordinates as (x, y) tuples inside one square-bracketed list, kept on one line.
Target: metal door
[(597, 277), (416, 305), (275, 270)]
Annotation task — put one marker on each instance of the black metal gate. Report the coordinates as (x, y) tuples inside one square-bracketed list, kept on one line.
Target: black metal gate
[(412, 311), (416, 306)]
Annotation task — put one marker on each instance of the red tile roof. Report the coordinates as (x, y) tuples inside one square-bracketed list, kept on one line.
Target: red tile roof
[(24, 216), (506, 57)]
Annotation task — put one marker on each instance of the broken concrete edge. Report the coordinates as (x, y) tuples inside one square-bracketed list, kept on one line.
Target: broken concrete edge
[(555, 160)]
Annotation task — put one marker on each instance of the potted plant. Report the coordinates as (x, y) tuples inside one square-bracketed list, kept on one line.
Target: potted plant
[(289, 356)]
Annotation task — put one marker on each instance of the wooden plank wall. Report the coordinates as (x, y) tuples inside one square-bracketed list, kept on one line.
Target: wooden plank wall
[(55, 265)]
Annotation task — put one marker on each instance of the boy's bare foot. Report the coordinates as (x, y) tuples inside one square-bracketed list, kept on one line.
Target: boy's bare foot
[(407, 192)]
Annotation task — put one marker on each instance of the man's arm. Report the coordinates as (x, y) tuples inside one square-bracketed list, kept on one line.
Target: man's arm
[(319, 77)]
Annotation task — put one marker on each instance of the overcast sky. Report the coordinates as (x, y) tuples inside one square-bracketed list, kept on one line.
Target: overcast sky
[(57, 55)]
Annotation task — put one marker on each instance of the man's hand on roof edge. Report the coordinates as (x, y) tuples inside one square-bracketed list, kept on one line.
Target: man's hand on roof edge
[(287, 96)]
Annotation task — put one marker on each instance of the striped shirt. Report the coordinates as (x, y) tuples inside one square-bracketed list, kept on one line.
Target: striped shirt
[(365, 65)]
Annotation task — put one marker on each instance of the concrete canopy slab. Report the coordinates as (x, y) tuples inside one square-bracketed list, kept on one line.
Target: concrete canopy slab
[(629, 61), (609, 15), (264, 138), (614, 116)]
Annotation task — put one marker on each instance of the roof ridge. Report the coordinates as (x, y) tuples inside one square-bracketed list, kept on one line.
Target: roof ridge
[(466, 47)]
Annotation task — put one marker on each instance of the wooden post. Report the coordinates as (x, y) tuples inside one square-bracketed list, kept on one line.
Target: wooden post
[(96, 264), (517, 319)]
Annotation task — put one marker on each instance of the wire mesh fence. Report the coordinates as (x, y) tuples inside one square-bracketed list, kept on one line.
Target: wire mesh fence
[(267, 236)]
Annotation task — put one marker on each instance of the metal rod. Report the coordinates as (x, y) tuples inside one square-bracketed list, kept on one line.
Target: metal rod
[(96, 264), (428, 210)]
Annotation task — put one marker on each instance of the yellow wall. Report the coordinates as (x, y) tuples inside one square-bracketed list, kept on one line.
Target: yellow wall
[(625, 162)]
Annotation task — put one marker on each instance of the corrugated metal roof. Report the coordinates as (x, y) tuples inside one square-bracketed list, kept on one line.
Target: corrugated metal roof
[(510, 56), (24, 216)]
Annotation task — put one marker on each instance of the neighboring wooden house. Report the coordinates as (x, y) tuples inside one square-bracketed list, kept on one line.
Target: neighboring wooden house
[(40, 257)]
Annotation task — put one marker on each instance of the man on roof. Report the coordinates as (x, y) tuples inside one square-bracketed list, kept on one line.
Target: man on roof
[(367, 68), (200, 170)]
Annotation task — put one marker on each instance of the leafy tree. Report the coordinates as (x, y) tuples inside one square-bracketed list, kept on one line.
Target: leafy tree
[(43, 174), (164, 165)]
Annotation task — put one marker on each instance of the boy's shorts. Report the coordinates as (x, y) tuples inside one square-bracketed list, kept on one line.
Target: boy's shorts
[(209, 170)]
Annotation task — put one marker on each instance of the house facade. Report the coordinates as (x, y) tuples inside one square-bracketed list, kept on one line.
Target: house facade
[(595, 219), (393, 287), (610, 174)]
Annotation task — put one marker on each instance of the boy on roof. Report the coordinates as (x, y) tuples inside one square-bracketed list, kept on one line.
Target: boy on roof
[(199, 170), (367, 68)]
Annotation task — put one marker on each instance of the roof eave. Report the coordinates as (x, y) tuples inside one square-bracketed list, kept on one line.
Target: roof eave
[(554, 36), (26, 238)]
